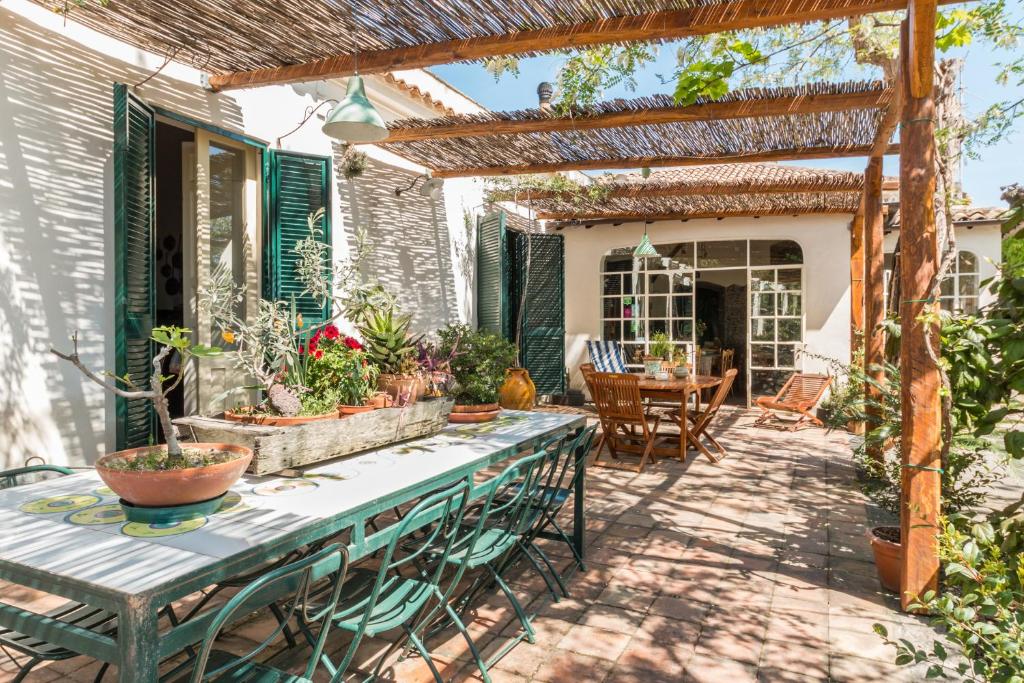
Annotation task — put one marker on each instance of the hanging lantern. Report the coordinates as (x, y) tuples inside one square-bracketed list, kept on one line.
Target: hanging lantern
[(355, 119), (645, 248)]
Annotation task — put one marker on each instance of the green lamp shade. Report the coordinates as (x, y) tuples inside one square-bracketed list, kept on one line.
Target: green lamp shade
[(355, 119), (645, 248)]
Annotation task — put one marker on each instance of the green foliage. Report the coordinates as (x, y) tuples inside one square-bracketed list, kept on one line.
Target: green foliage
[(387, 339), (564, 189), (339, 375), (661, 346), (478, 362)]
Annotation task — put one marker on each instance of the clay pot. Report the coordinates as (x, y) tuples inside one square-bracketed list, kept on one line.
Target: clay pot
[(856, 427), (274, 420), (354, 410), (481, 412), (403, 389), (518, 391), (381, 400), (888, 554), (168, 488)]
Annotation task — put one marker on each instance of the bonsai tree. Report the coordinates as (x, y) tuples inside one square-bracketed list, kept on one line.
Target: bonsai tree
[(170, 339), (478, 362), (337, 371)]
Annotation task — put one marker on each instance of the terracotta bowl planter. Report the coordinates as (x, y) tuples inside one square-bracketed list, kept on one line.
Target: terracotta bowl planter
[(353, 410), (274, 420), (174, 487), (482, 412), (888, 554)]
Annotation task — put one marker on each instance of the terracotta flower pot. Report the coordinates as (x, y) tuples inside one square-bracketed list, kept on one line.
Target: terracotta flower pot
[(403, 389), (381, 400), (353, 410), (888, 553), (518, 391), (274, 420), (481, 412), (856, 427), (168, 488)]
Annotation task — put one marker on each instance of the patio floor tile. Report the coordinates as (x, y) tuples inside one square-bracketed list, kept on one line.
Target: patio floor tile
[(595, 642)]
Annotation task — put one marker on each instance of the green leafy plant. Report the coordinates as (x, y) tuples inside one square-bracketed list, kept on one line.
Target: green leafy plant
[(171, 340), (661, 346), (388, 342), (339, 372), (478, 362)]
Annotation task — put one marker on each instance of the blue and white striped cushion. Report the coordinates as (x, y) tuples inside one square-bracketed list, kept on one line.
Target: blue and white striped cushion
[(606, 356)]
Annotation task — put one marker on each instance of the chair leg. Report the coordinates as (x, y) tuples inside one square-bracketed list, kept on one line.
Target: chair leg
[(568, 541), (524, 620), (551, 568), (102, 672), (474, 652), (421, 648), (25, 669), (533, 561)]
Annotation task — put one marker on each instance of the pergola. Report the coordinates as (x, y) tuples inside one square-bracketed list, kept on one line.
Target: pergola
[(247, 43)]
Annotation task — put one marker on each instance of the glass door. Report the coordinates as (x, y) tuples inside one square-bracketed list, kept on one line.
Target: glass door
[(776, 326)]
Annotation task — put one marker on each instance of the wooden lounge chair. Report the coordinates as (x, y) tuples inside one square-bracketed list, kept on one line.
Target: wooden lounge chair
[(799, 395), (625, 428), (700, 420)]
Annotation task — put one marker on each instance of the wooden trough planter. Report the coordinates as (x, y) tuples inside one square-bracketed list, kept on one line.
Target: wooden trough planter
[(280, 448)]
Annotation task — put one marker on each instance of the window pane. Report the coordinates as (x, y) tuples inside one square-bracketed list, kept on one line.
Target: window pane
[(789, 330), (721, 254), (789, 278), (657, 306), (612, 331), (946, 286), (618, 263), (612, 307), (775, 253), (789, 304), (762, 355), (762, 329), (612, 284), (682, 306), (762, 280), (634, 353), (946, 303), (659, 284), (629, 330), (682, 329), (656, 327), (786, 356), (969, 305), (767, 382), (968, 285), (632, 307), (681, 253), (763, 304), (682, 282), (227, 221), (967, 262)]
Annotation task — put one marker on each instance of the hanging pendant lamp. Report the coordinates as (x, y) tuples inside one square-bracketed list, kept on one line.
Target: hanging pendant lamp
[(645, 248), (354, 119)]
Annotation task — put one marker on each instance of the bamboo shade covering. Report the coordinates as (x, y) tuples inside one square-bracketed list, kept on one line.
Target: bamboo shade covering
[(819, 134)]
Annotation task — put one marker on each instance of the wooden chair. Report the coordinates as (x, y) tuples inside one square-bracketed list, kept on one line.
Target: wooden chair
[(625, 428), (799, 395), (700, 420)]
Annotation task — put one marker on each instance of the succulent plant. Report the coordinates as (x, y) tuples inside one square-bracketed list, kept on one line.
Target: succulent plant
[(387, 340)]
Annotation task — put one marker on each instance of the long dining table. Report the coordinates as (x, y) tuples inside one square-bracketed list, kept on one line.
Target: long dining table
[(68, 536), (677, 391)]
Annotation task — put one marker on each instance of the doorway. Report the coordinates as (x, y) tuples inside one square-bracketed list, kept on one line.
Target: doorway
[(721, 324)]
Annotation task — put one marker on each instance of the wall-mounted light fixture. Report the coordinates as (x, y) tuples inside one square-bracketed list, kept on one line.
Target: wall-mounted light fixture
[(431, 187)]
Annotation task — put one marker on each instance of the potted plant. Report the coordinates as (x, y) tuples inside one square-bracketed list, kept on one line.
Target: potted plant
[(479, 361), (663, 349), (392, 349), (888, 551), (171, 474), (339, 375)]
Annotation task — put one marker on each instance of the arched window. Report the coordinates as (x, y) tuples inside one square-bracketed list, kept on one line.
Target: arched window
[(959, 293)]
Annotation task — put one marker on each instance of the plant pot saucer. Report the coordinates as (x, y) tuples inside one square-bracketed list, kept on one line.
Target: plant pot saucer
[(170, 514), (468, 418)]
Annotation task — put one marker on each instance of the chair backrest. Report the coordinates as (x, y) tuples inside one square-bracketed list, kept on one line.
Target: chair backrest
[(19, 476), (728, 357), (296, 579), (617, 397), (721, 392), (606, 356), (575, 452), (803, 390), (519, 488)]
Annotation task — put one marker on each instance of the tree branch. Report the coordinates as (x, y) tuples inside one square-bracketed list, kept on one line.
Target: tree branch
[(75, 360)]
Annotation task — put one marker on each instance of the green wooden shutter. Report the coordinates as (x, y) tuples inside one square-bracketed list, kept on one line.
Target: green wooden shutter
[(492, 275), (134, 290), (542, 339), (297, 185)]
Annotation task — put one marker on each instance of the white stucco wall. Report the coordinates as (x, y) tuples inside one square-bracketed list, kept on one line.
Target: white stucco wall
[(825, 241), (56, 212)]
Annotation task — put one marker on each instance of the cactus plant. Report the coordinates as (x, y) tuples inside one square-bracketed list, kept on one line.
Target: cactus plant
[(387, 340)]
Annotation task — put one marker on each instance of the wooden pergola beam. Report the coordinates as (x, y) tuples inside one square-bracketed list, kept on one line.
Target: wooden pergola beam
[(711, 111), (857, 278), (658, 162), (565, 218), (667, 25), (874, 299), (642, 191), (920, 382)]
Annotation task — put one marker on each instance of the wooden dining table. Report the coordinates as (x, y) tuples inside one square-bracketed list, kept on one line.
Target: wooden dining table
[(677, 390)]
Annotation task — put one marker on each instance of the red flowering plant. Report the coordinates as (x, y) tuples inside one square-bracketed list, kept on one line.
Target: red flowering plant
[(337, 370)]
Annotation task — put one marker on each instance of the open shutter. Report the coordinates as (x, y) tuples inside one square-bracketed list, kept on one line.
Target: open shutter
[(492, 275), (542, 339), (298, 185), (134, 291)]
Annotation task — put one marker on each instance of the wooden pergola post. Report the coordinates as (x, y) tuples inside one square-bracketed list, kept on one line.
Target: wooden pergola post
[(874, 300), (857, 280), (921, 405)]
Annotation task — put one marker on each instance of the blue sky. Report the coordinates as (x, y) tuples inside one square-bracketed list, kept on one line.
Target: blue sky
[(998, 165)]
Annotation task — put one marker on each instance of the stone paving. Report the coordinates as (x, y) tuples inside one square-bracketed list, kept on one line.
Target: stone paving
[(754, 569)]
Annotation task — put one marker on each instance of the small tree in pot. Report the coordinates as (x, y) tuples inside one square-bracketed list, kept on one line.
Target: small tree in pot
[(167, 475), (478, 363)]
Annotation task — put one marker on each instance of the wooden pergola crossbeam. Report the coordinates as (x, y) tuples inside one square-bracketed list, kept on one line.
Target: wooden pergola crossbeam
[(661, 162), (709, 111), (657, 26), (577, 219)]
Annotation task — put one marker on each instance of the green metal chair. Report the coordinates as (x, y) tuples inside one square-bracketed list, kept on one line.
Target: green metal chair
[(321, 574), (77, 614), (376, 601)]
